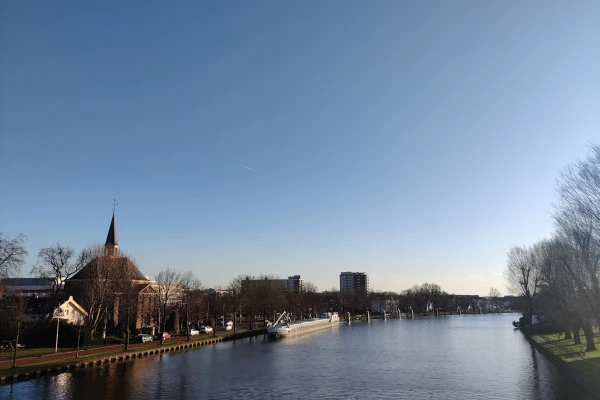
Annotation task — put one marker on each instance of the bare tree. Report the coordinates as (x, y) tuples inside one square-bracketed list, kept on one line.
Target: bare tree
[(523, 276), (127, 296), (57, 264), (307, 298), (12, 254), (557, 294), (219, 302), (578, 219), (581, 261), (192, 297), (494, 297), (238, 297), (169, 291), (12, 320), (579, 186), (250, 294), (566, 269), (269, 295), (98, 292)]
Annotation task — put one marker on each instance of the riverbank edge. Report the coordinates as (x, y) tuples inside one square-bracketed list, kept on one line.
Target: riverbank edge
[(563, 366), (18, 374)]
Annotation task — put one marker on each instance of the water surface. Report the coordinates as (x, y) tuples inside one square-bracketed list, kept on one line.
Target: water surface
[(454, 357)]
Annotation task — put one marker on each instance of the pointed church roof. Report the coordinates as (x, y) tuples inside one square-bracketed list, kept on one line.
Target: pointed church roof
[(118, 264), (111, 238)]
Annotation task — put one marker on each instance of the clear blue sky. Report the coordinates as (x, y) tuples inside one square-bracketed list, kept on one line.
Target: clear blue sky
[(413, 141)]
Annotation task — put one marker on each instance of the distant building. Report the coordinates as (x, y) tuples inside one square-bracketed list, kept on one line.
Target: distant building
[(27, 287), (382, 303), (218, 292), (354, 282), (293, 283), (467, 302)]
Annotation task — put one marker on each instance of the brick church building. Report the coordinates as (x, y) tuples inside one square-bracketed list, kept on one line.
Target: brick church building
[(98, 285)]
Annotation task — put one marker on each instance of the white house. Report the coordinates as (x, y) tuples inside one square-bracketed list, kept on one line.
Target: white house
[(71, 312)]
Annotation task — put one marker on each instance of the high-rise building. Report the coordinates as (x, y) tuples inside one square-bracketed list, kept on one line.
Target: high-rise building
[(354, 282), (294, 284)]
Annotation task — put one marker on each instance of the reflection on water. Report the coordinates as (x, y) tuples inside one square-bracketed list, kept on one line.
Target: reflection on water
[(457, 357)]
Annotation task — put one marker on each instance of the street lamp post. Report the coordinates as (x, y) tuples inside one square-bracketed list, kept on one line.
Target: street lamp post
[(16, 344), (60, 312), (187, 320), (78, 337)]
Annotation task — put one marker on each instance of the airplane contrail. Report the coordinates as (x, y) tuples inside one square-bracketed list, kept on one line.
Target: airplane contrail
[(251, 169)]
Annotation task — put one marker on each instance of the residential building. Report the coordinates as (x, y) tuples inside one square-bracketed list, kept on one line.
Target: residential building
[(379, 304), (467, 302), (354, 282), (294, 284), (71, 312)]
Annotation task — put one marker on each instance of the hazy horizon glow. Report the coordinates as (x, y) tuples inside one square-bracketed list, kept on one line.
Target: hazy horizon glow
[(414, 142)]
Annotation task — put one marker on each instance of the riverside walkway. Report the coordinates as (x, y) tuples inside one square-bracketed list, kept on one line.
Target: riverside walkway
[(83, 353), (32, 365)]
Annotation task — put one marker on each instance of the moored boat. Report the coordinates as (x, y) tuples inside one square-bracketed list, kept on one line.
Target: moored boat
[(284, 326)]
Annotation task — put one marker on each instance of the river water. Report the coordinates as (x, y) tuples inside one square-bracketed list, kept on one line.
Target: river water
[(454, 357)]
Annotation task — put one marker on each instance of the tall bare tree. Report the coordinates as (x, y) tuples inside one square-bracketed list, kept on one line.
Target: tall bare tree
[(558, 295), (581, 261), (192, 298), (169, 292), (127, 290), (579, 185), (307, 299), (219, 301), (494, 297), (238, 297), (99, 278), (522, 276), (12, 254), (578, 219), (57, 264), (269, 295)]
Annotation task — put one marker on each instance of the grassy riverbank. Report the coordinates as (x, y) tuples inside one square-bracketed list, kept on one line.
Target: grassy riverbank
[(585, 367)]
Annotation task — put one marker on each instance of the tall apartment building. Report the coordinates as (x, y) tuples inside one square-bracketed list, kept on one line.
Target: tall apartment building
[(294, 284), (354, 282)]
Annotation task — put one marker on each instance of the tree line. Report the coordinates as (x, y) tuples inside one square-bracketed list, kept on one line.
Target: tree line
[(559, 277), (109, 289)]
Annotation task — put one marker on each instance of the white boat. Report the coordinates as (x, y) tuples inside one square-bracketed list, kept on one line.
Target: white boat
[(285, 327)]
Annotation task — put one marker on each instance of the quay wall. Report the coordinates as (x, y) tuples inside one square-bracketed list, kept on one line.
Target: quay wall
[(29, 372)]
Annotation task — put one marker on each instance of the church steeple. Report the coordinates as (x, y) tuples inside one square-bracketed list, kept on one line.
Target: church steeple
[(111, 247)]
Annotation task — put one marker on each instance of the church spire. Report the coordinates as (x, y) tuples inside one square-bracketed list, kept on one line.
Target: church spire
[(111, 247)]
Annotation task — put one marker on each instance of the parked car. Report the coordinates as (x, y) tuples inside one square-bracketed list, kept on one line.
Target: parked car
[(206, 329), (228, 326), (143, 338), (166, 335), (194, 332)]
